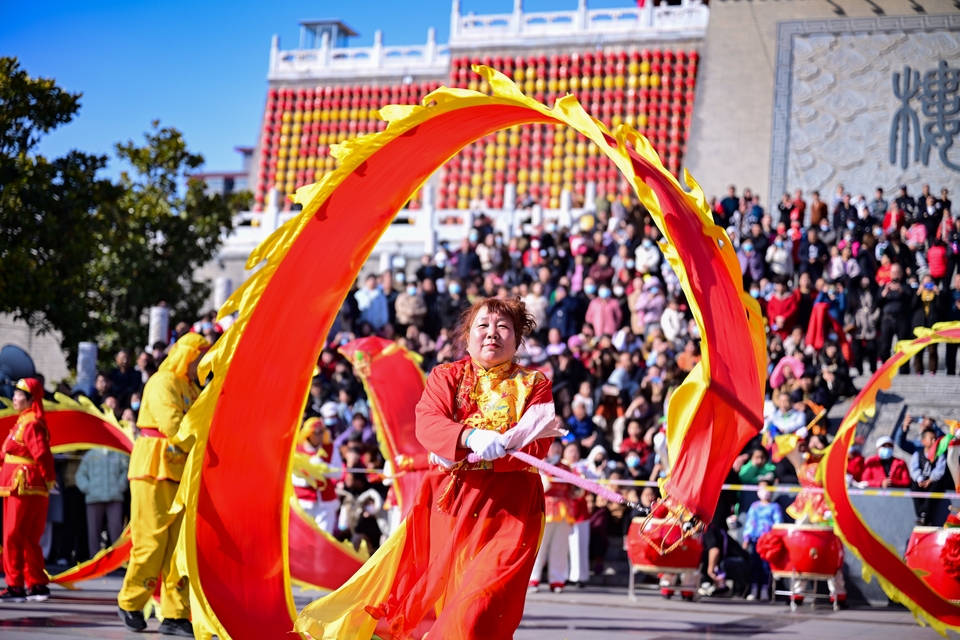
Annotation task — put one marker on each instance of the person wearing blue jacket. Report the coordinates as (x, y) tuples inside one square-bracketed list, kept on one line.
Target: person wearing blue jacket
[(834, 295), (927, 469), (564, 314)]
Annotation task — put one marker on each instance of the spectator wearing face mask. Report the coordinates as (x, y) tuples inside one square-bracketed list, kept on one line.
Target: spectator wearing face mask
[(603, 312), (845, 212), (372, 303), (434, 268), (834, 296), (596, 463), (779, 257), (883, 470), (648, 256), (331, 418), (411, 307), (452, 304), (635, 468), (535, 256), (761, 518), (751, 263), (827, 234), (650, 304)]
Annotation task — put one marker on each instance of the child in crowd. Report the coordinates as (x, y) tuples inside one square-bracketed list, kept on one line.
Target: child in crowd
[(761, 517), (758, 468)]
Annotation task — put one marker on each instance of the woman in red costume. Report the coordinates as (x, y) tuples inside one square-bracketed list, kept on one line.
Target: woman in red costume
[(25, 482), (810, 507), (466, 551)]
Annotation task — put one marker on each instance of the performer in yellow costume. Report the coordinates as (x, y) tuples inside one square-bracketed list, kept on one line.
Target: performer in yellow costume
[(156, 466)]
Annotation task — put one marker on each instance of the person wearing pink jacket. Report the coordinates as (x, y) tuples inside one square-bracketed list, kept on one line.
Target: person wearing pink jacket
[(604, 313)]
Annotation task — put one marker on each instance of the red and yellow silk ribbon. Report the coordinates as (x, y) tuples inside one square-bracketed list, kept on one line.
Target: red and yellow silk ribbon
[(236, 485), (879, 559)]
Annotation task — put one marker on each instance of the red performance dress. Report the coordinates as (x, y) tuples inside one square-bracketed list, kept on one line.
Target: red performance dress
[(465, 552), (809, 507), (25, 479)]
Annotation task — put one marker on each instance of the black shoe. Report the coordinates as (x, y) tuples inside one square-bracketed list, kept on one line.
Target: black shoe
[(13, 594), (132, 620), (177, 627), (38, 593)]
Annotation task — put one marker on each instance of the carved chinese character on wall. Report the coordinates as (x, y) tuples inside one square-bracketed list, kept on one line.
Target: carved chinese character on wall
[(937, 94), (873, 109)]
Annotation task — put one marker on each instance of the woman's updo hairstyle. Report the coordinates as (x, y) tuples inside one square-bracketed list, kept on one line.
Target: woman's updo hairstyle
[(523, 322)]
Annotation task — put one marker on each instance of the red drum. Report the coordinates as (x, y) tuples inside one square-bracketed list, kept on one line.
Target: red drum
[(810, 552), (924, 557), (647, 558)]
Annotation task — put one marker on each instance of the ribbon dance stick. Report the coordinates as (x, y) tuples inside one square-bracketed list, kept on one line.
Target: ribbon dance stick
[(572, 478)]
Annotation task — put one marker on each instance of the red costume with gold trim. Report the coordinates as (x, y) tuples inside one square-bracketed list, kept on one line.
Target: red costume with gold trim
[(466, 551), (321, 489), (561, 500), (25, 480), (809, 506)]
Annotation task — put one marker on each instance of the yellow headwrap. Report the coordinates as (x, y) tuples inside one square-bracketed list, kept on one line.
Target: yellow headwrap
[(308, 427), (183, 352)]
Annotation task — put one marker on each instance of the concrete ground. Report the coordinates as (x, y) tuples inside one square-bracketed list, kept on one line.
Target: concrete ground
[(596, 612)]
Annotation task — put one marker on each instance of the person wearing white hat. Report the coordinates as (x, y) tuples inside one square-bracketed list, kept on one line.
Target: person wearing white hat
[(331, 418), (884, 470)]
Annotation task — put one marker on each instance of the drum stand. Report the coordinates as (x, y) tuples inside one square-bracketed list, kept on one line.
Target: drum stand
[(797, 583), (632, 586)]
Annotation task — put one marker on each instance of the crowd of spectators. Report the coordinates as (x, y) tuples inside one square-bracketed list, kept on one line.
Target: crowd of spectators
[(837, 279)]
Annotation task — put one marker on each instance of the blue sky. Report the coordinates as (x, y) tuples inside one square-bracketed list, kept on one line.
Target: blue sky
[(198, 66)]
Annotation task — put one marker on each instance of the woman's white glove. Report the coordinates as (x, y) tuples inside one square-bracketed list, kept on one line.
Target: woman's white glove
[(486, 444), (440, 461)]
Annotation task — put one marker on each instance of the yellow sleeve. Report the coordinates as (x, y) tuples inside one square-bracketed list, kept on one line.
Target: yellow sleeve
[(163, 404)]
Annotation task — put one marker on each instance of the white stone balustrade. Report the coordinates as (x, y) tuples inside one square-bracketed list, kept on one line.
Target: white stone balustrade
[(689, 19), (359, 62)]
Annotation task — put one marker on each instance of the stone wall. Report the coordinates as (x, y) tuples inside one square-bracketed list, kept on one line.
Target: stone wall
[(44, 349), (733, 134)]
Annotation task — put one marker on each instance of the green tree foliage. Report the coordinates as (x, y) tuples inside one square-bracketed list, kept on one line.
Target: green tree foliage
[(49, 210), (161, 230), (87, 257)]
